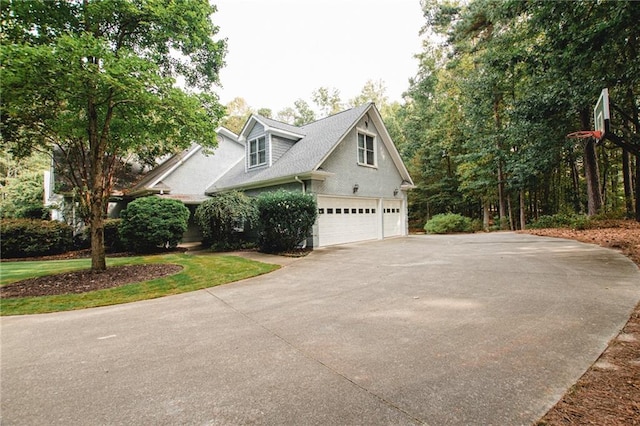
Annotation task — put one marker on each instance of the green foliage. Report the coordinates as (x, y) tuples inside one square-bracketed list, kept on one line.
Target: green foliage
[(22, 186), (149, 223), (112, 242), (285, 219), (448, 223), (486, 116), (562, 221), (27, 237), (224, 218), (97, 80)]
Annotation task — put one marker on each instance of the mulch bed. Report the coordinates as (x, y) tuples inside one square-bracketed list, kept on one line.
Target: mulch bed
[(609, 392), (86, 280)]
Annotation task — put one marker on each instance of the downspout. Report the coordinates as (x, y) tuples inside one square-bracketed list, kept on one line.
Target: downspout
[(304, 191), (304, 187)]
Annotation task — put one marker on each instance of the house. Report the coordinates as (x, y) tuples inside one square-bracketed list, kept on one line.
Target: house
[(347, 160)]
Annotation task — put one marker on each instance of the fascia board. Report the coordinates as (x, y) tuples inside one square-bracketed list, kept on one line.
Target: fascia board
[(388, 143)]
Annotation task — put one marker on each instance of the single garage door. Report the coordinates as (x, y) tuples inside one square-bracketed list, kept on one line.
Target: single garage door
[(392, 217), (345, 220)]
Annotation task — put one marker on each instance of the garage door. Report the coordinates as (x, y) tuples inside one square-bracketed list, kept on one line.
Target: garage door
[(345, 220), (392, 217)]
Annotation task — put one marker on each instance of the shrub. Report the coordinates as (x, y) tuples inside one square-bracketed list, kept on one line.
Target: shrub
[(33, 211), (28, 237), (149, 223), (112, 241), (224, 218), (285, 219), (449, 223), (561, 221)]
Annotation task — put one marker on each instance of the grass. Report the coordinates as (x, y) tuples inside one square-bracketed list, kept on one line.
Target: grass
[(199, 271)]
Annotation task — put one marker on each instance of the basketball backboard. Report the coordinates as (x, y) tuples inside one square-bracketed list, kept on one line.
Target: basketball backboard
[(601, 114)]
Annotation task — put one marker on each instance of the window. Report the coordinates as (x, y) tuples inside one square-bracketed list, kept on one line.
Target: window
[(257, 152), (366, 150)]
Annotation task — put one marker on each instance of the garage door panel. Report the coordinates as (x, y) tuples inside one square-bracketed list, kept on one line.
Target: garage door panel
[(343, 220), (392, 217)]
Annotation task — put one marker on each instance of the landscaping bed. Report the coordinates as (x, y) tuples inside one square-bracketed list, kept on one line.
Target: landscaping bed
[(609, 392)]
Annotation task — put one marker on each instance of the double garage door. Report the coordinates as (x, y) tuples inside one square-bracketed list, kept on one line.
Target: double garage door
[(345, 220)]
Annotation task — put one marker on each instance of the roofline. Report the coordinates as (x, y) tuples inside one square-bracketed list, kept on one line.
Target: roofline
[(267, 128), (180, 162), (395, 154), (228, 133), (312, 175), (386, 139)]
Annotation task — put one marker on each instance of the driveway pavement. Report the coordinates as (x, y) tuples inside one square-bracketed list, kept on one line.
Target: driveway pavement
[(442, 330)]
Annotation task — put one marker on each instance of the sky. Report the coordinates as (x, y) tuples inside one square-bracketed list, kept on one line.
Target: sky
[(282, 50)]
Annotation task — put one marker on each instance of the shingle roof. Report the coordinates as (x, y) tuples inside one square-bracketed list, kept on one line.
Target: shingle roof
[(320, 137)]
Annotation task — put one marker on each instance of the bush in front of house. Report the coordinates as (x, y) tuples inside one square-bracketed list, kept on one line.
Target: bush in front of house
[(150, 223), (448, 223), (285, 219), (29, 237), (224, 218)]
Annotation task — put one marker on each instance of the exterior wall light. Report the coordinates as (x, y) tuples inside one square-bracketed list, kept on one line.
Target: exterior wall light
[(355, 188), (395, 192)]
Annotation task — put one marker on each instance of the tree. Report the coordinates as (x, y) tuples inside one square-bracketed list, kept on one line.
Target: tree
[(96, 81), (237, 113), (372, 91), (328, 100)]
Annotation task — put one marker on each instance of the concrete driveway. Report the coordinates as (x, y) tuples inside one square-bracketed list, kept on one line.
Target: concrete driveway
[(443, 330)]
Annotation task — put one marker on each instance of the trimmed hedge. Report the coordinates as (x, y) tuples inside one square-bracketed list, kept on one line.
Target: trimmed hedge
[(29, 237), (150, 223), (285, 219), (449, 223)]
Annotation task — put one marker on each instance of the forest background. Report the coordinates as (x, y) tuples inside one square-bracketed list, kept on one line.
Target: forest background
[(483, 124)]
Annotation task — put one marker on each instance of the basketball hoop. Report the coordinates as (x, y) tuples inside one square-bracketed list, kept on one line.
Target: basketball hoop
[(583, 134)]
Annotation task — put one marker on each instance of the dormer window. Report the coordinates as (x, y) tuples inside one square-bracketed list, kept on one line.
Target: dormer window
[(258, 151), (366, 149)]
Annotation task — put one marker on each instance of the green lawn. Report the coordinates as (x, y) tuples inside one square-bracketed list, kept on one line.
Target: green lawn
[(199, 271)]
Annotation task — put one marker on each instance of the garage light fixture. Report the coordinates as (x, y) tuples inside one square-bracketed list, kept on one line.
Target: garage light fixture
[(395, 192), (355, 188)]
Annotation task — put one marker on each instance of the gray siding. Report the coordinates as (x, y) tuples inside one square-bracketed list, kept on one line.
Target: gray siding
[(279, 146), (376, 182)]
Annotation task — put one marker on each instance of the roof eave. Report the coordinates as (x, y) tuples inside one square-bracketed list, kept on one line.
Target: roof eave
[(312, 175)]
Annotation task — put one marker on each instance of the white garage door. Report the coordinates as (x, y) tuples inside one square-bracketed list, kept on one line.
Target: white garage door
[(392, 217), (345, 220)]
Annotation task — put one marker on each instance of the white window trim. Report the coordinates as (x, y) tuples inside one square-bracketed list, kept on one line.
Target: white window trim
[(266, 152), (375, 148)]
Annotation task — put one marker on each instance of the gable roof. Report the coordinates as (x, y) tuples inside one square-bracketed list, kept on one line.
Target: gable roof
[(152, 182), (273, 126), (305, 157)]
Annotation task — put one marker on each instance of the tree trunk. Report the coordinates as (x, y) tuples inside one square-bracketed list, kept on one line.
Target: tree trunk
[(98, 255), (485, 215), (594, 196), (626, 182), (523, 216), (638, 188)]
